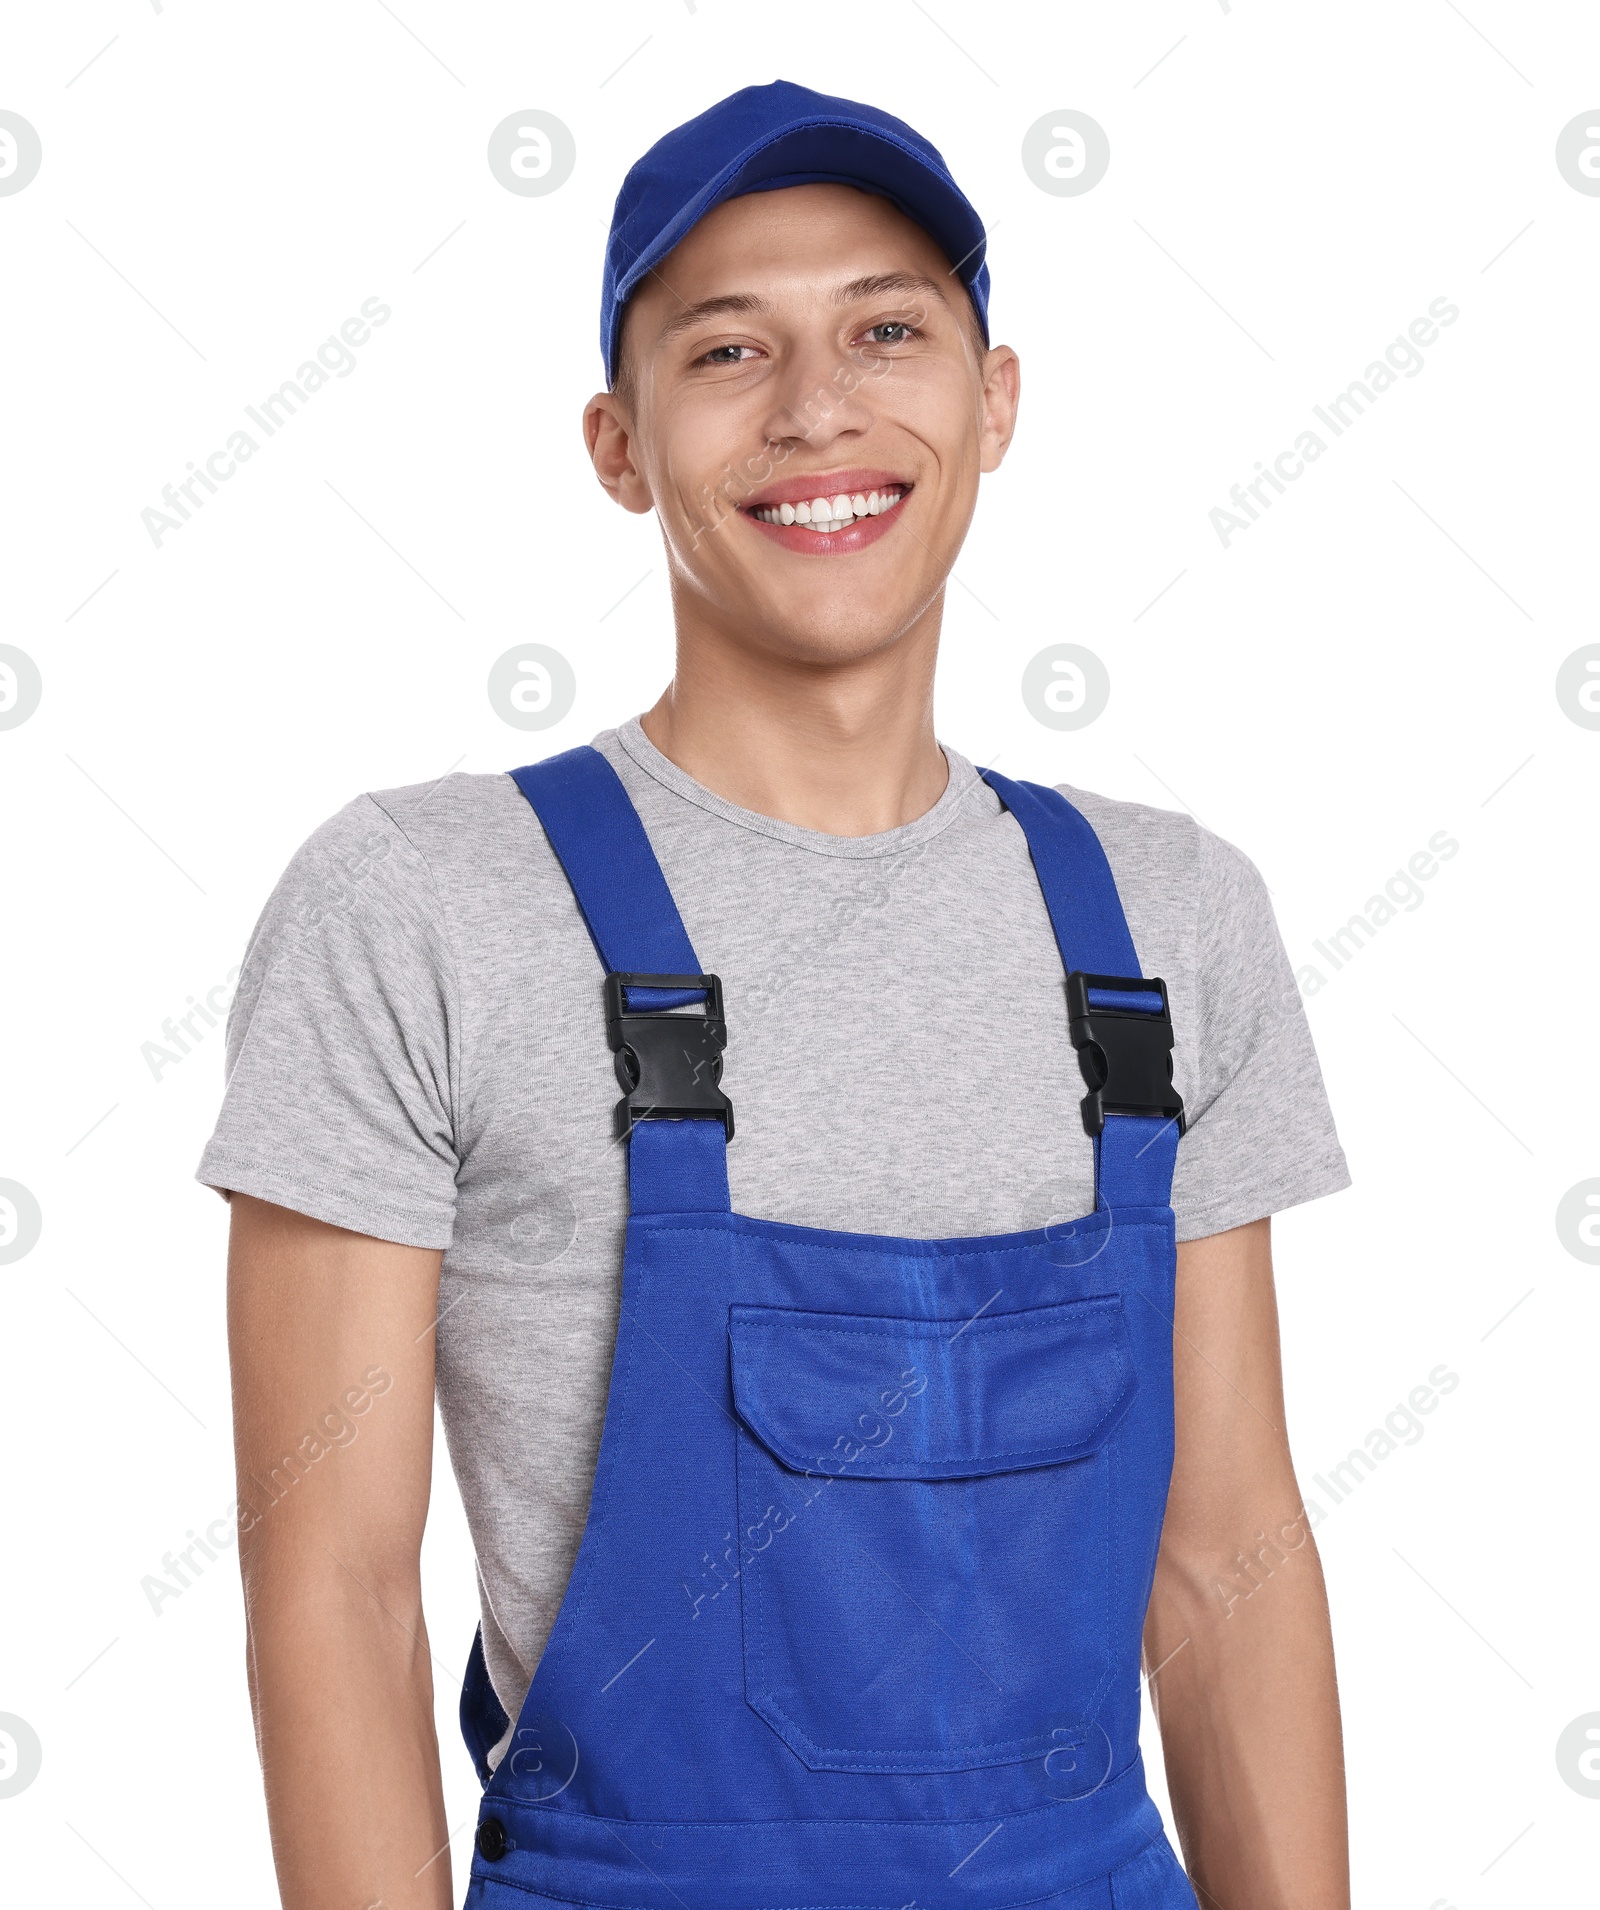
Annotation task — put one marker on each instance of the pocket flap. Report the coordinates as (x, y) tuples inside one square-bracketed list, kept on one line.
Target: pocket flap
[(862, 1397)]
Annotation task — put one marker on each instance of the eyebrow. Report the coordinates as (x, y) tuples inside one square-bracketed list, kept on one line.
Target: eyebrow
[(879, 283), (729, 303), (733, 304)]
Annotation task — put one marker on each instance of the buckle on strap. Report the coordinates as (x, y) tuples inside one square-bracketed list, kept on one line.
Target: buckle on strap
[(1121, 1027), (668, 1064)]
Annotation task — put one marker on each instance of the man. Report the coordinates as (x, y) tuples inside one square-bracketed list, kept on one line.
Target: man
[(877, 1494)]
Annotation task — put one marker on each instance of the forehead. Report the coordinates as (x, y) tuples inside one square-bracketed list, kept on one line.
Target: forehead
[(798, 245)]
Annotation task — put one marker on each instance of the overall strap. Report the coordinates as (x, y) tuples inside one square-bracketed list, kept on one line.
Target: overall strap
[(1116, 1016), (674, 1165)]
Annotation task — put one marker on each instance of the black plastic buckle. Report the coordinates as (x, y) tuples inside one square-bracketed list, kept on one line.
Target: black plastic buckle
[(1125, 1054), (668, 1063)]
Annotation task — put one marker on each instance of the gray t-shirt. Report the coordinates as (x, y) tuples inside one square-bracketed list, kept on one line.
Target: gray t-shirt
[(417, 1051)]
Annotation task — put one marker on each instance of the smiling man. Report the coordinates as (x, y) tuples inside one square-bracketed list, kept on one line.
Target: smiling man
[(828, 1187)]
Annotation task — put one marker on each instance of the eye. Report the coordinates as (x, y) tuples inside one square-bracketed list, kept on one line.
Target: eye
[(726, 355), (890, 331)]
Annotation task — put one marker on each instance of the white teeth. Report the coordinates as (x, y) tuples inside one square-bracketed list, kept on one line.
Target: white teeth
[(827, 514)]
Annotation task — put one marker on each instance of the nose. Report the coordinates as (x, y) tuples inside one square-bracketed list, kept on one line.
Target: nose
[(818, 401)]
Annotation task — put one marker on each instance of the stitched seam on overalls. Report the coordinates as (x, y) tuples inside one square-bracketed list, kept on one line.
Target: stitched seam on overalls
[(1138, 1856), (1107, 1454), (1020, 1452), (882, 1763), (595, 1903), (1026, 1320), (594, 1521), (677, 1824), (991, 1459), (879, 1762), (1028, 1903), (887, 1252)]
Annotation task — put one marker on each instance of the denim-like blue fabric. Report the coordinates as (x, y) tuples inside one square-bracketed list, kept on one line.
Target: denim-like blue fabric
[(855, 1622)]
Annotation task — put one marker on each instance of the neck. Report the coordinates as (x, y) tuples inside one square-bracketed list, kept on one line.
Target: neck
[(846, 748)]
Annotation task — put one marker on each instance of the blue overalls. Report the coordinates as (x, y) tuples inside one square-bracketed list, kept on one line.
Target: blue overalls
[(855, 1621)]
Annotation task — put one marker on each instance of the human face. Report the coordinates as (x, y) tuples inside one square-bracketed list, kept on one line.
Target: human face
[(810, 343)]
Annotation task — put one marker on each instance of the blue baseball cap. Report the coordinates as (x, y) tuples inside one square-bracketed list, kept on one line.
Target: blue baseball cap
[(761, 139)]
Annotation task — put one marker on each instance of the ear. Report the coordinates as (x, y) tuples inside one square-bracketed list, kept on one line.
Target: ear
[(1002, 392), (608, 432)]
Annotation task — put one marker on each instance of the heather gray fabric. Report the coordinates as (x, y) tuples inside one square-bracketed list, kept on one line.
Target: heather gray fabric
[(417, 1051)]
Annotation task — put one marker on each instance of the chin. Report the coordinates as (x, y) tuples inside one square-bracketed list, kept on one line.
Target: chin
[(833, 633)]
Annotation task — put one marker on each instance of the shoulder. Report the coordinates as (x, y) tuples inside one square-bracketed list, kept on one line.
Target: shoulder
[(384, 866), (1166, 848), (449, 816), (417, 840)]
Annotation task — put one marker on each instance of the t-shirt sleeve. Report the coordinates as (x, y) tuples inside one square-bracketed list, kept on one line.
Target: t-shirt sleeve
[(341, 1041), (1260, 1134)]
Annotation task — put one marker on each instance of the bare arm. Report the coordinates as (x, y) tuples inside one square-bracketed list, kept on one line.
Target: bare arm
[(1237, 1639), (332, 1355)]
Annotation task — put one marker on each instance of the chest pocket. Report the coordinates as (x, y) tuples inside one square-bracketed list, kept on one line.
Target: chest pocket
[(925, 1514)]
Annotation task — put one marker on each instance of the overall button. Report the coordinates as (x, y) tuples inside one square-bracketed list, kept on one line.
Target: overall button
[(491, 1840)]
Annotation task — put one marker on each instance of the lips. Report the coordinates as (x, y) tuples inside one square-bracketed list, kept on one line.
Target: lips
[(829, 513)]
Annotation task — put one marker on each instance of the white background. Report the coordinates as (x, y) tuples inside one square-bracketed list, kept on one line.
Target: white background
[(1368, 665)]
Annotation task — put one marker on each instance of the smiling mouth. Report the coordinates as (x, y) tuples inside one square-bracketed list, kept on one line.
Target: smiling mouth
[(825, 515)]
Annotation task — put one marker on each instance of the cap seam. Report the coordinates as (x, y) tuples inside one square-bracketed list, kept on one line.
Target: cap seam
[(682, 225)]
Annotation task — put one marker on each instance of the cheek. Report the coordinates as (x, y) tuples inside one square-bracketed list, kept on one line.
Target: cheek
[(936, 405), (700, 467)]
